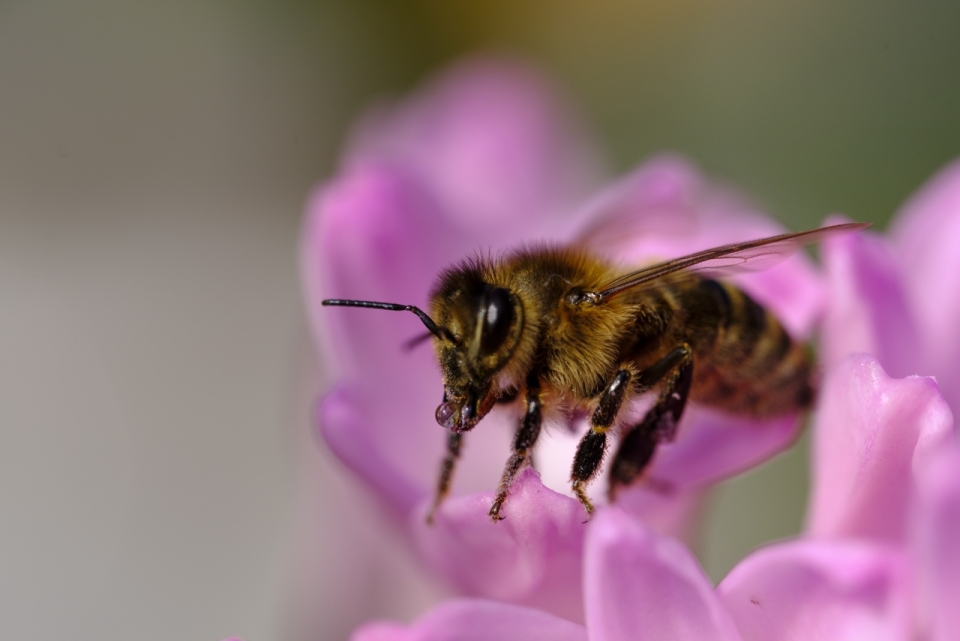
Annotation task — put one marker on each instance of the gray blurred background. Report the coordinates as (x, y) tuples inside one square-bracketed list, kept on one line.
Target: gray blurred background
[(157, 476)]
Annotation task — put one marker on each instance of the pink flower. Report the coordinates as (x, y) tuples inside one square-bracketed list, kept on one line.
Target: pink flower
[(486, 157), (880, 561), (898, 297)]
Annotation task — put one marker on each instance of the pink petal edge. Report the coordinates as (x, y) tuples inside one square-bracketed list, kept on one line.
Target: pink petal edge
[(872, 433), (345, 429), (640, 585), (868, 310), (924, 236)]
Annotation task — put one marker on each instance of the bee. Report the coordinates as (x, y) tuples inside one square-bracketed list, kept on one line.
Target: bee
[(562, 328)]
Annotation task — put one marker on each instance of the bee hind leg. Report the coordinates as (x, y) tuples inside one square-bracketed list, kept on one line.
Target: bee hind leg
[(658, 425), (523, 442), (592, 446)]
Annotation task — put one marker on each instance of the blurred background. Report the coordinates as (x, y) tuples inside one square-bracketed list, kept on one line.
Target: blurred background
[(158, 479)]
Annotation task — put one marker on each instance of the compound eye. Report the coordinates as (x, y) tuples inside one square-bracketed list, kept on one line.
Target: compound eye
[(498, 316)]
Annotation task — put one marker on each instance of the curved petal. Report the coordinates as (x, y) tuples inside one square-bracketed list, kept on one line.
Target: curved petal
[(820, 591), (476, 620), (374, 233), (353, 437), (370, 235), (533, 556), (494, 141), (925, 234), (936, 534), (639, 585), (867, 310), (872, 434)]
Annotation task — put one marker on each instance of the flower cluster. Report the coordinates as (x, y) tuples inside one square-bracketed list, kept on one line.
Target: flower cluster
[(486, 157)]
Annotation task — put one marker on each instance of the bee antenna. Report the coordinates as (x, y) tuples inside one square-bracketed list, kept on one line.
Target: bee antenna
[(439, 332)]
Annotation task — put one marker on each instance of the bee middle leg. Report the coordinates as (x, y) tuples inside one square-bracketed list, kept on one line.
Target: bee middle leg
[(523, 442), (660, 422), (592, 446)]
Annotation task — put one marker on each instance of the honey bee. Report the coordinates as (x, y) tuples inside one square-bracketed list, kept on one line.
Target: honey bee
[(562, 328)]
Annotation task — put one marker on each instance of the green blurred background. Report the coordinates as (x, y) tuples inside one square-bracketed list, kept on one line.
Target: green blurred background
[(157, 478)]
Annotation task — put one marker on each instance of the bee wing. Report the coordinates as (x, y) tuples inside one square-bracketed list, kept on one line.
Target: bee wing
[(750, 256)]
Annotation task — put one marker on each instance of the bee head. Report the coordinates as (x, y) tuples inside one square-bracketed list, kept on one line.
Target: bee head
[(476, 328), (485, 323)]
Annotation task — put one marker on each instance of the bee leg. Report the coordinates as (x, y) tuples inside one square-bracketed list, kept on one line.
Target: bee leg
[(658, 425), (594, 443), (454, 441), (523, 442)]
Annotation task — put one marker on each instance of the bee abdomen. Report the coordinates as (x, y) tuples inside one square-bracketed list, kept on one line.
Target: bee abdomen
[(754, 367)]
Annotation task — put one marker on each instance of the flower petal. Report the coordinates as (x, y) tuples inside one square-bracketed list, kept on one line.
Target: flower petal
[(532, 557), (712, 446), (936, 534), (476, 620), (817, 590), (354, 439), (867, 310), (372, 234), (872, 434), (639, 585), (670, 511), (925, 235), (493, 140)]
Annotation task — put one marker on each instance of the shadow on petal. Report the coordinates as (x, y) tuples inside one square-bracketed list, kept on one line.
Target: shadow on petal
[(712, 446)]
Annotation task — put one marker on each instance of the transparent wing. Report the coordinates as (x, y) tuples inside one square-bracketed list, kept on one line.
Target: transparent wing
[(750, 256)]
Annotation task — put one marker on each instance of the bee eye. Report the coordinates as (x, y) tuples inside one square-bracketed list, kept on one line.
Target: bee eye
[(498, 315)]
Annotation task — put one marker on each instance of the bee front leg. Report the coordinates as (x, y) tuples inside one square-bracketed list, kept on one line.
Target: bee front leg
[(660, 422), (523, 442), (594, 443), (454, 442)]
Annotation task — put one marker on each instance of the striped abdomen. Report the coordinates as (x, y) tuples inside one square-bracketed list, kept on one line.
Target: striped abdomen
[(744, 360)]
